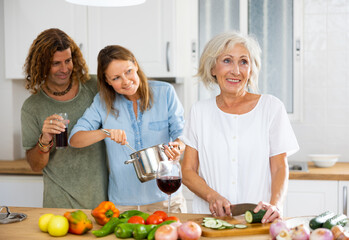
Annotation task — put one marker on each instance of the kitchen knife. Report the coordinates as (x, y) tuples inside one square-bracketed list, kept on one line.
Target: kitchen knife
[(241, 208)]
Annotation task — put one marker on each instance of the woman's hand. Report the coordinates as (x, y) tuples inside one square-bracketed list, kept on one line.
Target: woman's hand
[(118, 136), (219, 206), (273, 212), (172, 151), (52, 125)]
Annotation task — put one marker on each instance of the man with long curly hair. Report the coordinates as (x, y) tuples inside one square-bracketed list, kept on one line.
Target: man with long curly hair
[(57, 76)]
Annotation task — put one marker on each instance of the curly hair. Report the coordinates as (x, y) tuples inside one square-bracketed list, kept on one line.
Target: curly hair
[(222, 43), (107, 92), (38, 62)]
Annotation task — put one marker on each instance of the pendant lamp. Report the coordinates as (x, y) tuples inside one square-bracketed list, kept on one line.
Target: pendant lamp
[(107, 3)]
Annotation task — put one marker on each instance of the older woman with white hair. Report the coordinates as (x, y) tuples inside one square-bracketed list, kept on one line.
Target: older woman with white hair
[(237, 143)]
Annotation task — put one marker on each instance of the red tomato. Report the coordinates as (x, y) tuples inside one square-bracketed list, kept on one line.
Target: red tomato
[(154, 219), (162, 214), (136, 219), (172, 218)]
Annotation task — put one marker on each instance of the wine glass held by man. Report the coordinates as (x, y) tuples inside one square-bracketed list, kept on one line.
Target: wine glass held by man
[(57, 76), (241, 155), (135, 111)]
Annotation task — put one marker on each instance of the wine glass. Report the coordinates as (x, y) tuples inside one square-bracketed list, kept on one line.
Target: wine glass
[(169, 178)]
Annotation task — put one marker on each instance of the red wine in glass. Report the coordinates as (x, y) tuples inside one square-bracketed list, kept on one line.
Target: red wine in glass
[(169, 184), (62, 139), (169, 178)]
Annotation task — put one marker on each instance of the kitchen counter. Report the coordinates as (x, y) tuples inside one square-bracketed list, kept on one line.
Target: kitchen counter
[(29, 229), (17, 167), (340, 171)]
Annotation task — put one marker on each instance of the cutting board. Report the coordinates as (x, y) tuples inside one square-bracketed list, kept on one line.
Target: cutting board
[(252, 229)]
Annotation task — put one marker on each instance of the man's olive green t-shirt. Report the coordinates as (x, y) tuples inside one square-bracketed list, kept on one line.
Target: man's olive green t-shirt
[(73, 177)]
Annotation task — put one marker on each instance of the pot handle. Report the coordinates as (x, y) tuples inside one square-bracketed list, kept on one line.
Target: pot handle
[(130, 161)]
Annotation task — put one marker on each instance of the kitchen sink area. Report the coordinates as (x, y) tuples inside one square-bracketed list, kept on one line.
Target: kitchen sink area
[(298, 166)]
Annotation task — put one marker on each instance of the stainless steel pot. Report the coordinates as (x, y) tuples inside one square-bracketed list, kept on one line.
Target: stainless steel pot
[(146, 161)]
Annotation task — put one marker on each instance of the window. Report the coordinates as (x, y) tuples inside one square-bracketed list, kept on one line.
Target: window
[(277, 27)]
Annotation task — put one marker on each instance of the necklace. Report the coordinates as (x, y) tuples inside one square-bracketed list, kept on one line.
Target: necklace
[(60, 93)]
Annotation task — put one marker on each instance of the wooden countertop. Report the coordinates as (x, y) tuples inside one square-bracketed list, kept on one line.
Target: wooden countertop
[(17, 167), (29, 229), (340, 171)]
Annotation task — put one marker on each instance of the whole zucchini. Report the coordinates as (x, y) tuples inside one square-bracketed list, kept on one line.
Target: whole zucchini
[(339, 219), (252, 217), (318, 221)]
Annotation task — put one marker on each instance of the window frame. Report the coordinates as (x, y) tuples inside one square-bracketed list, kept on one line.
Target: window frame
[(297, 114)]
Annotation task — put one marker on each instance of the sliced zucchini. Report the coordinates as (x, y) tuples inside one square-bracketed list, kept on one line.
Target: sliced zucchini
[(319, 220), (213, 224), (210, 223), (252, 217), (240, 226), (229, 227), (216, 223), (226, 224)]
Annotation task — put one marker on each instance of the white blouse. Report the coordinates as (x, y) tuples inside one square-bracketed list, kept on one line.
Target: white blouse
[(234, 150)]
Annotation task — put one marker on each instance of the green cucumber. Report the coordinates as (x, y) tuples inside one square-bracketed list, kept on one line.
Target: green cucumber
[(252, 217), (319, 220), (339, 219)]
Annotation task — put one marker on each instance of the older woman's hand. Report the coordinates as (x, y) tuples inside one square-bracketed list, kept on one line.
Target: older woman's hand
[(173, 152), (272, 213), (219, 206)]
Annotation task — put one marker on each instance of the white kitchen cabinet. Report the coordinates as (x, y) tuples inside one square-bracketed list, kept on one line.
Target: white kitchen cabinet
[(21, 191), (24, 20), (148, 30), (310, 197)]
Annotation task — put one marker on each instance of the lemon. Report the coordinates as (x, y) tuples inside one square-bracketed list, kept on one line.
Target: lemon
[(58, 226), (43, 221)]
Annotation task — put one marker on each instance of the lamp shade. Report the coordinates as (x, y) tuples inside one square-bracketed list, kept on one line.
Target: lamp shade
[(107, 3)]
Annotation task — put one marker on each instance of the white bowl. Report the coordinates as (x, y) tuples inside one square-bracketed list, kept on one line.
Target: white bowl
[(324, 160)]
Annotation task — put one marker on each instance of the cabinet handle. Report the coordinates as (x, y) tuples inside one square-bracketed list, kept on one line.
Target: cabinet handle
[(80, 46), (167, 56), (345, 198)]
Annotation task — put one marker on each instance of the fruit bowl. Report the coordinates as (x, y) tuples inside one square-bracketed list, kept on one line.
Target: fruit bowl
[(324, 160)]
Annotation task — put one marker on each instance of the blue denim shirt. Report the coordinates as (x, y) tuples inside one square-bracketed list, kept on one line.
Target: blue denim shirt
[(162, 123)]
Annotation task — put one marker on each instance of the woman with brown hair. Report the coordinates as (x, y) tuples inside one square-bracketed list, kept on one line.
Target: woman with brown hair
[(137, 111)]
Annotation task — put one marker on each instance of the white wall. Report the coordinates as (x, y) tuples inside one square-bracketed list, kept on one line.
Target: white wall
[(12, 96), (6, 105), (325, 125)]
